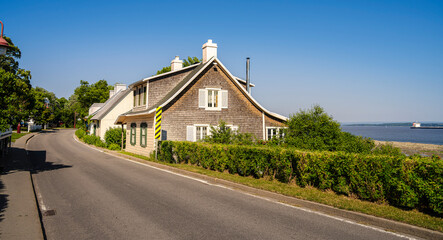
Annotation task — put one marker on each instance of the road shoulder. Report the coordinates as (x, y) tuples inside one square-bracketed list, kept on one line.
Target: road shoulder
[(19, 217)]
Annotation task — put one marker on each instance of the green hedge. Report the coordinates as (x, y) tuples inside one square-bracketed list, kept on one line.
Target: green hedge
[(414, 182)]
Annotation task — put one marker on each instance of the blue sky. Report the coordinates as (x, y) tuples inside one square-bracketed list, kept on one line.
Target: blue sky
[(363, 61)]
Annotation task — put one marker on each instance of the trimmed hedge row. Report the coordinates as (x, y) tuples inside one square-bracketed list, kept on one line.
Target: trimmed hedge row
[(407, 182)]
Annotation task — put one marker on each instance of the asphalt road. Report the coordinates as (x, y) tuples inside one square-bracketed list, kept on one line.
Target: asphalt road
[(98, 196)]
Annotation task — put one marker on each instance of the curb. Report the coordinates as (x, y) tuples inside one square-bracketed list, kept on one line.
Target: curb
[(40, 216), (357, 217)]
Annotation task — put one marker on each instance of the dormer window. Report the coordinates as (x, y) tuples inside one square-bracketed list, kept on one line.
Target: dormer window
[(213, 98), (140, 96)]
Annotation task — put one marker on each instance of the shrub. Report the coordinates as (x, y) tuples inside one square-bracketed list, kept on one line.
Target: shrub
[(114, 147), (114, 136), (224, 134), (80, 133), (387, 149), (91, 139), (354, 144), (407, 182), (314, 129)]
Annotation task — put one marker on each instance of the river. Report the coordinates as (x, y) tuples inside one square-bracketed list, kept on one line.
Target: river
[(398, 134)]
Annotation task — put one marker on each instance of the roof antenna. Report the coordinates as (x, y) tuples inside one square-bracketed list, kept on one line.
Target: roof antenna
[(247, 76)]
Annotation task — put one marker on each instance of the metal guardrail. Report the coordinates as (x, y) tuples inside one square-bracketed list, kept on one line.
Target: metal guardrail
[(6, 133)]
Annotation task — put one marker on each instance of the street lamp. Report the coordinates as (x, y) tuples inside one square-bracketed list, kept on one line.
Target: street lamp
[(4, 45)]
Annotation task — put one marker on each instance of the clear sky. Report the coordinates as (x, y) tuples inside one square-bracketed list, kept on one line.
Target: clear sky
[(363, 61)]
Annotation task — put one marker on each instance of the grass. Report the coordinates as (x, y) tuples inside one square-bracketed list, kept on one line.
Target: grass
[(330, 198), (16, 136)]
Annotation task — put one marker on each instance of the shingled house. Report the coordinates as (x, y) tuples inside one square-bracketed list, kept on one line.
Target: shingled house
[(192, 99)]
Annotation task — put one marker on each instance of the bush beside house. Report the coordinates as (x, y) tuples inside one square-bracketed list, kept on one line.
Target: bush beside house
[(112, 142)]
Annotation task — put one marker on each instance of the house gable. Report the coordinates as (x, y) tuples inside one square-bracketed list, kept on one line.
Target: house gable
[(184, 110)]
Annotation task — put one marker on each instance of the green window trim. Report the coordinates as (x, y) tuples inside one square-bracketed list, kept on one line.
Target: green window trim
[(143, 133), (133, 134)]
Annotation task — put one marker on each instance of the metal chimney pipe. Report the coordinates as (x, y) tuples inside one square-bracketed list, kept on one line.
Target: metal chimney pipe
[(247, 76)]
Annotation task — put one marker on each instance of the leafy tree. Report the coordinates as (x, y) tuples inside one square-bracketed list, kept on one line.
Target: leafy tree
[(15, 88), (8, 62), (314, 129), (87, 94), (45, 106), (186, 62)]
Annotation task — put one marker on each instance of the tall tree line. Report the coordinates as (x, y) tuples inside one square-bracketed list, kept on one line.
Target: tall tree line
[(19, 101)]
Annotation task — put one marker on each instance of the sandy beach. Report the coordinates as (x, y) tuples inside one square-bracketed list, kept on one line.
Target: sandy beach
[(416, 148)]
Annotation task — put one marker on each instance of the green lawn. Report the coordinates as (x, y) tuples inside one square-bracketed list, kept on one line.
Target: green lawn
[(16, 136), (330, 198)]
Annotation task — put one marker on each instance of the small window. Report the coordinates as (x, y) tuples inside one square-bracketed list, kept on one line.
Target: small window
[(201, 132), (273, 132), (143, 131), (197, 132), (213, 99), (135, 97), (133, 133)]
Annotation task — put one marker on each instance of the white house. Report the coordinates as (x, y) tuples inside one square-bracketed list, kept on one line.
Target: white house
[(104, 114)]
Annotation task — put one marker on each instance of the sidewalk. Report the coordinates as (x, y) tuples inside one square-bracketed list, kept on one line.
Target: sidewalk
[(19, 217)]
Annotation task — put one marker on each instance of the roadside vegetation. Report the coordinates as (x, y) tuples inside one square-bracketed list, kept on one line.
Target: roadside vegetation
[(113, 138), (16, 136)]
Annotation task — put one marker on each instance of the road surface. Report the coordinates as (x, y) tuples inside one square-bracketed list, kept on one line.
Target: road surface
[(87, 194)]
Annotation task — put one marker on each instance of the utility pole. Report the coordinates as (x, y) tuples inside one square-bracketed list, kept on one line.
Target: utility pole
[(75, 116)]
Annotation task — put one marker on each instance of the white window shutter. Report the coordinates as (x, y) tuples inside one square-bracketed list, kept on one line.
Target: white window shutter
[(202, 98), (224, 100), (190, 136)]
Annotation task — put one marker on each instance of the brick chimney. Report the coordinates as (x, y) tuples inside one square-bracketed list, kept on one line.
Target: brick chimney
[(176, 64), (209, 50)]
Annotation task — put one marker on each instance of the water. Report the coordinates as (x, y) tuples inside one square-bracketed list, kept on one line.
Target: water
[(397, 134)]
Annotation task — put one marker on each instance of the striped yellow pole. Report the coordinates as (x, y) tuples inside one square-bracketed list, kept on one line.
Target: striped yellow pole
[(158, 123)]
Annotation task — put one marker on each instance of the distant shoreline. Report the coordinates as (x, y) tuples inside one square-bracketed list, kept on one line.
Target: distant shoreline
[(411, 148), (405, 124)]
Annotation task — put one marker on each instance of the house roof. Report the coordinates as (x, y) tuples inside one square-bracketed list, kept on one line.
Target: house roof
[(97, 104), (181, 86), (166, 74), (109, 104)]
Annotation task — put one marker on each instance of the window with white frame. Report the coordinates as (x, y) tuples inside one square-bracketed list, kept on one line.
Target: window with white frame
[(213, 98), (273, 132), (200, 131), (197, 132)]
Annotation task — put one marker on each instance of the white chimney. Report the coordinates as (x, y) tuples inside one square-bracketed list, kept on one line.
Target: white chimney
[(176, 64), (111, 93), (119, 86), (209, 50)]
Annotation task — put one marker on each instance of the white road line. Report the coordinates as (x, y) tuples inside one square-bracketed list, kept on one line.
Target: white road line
[(263, 198)]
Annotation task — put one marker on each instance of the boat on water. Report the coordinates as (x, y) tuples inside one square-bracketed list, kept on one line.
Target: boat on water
[(417, 125)]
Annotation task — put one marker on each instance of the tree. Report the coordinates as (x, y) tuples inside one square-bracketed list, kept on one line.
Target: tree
[(190, 61), (45, 106), (15, 89), (85, 95), (313, 129)]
